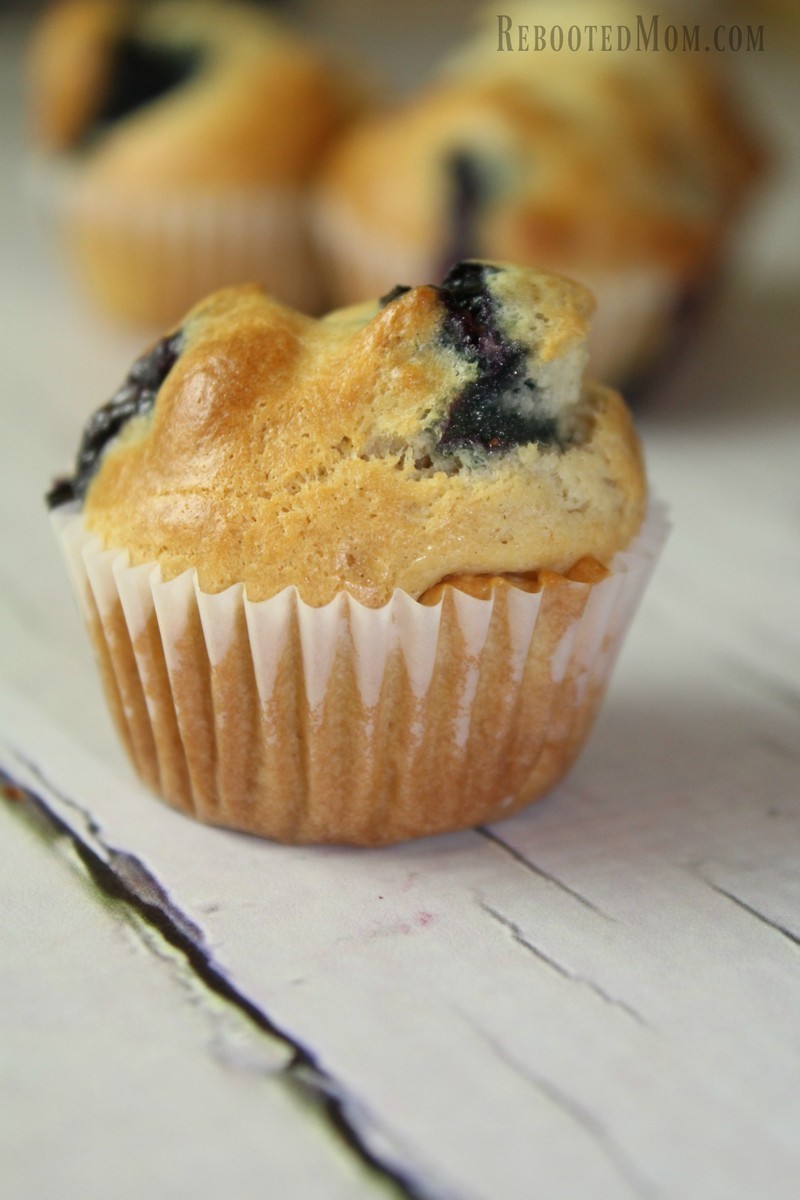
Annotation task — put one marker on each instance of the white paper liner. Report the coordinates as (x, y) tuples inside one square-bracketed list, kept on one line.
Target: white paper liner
[(346, 723), (149, 258), (636, 305)]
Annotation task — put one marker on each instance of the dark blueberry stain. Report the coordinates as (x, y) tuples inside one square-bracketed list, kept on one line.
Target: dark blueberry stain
[(468, 190), (135, 398), (397, 291), (141, 72), (487, 414)]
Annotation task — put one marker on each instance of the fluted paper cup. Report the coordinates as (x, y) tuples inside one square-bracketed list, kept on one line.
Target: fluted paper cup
[(345, 723), (149, 258)]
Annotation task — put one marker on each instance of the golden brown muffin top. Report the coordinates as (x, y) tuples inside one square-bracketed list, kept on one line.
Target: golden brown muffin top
[(170, 93), (442, 431)]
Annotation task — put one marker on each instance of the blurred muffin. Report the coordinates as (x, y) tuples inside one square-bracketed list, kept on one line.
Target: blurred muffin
[(361, 579), (622, 169), (176, 140)]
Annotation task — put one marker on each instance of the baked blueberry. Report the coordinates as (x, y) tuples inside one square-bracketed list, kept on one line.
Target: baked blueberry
[(135, 398), (499, 409), (397, 291), (141, 72), (467, 196)]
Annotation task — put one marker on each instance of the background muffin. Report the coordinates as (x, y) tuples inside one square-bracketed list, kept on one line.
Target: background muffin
[(268, 498), (623, 169), (179, 137)]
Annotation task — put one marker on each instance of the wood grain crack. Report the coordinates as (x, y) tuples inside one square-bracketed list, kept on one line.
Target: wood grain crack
[(636, 1184), (785, 932), (520, 858), (122, 878), (136, 877), (519, 936)]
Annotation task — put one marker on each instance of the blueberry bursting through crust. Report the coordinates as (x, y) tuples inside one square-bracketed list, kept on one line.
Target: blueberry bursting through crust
[(135, 398), (497, 410), (494, 412)]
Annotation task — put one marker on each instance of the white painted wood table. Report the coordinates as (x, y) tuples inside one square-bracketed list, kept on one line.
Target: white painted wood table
[(597, 999)]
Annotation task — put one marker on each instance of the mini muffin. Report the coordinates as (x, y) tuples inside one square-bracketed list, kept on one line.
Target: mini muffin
[(623, 169), (361, 578), (176, 140)]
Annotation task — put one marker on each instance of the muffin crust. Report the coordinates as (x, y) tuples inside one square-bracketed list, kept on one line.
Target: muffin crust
[(283, 451)]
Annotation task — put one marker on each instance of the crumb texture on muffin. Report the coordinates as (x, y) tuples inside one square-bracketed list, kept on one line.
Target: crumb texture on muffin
[(445, 430)]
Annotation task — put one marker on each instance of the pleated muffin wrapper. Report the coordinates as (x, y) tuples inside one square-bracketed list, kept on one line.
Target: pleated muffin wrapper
[(345, 723), (148, 258)]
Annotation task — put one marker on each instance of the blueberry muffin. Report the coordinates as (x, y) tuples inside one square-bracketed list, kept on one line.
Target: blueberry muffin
[(176, 141), (360, 578), (622, 169)]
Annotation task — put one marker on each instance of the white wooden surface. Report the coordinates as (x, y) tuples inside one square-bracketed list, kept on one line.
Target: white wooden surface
[(597, 999)]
